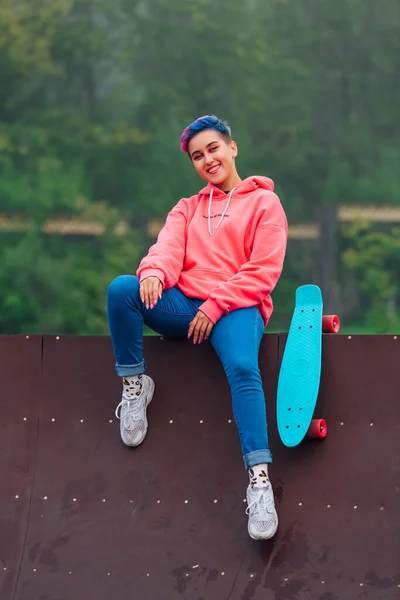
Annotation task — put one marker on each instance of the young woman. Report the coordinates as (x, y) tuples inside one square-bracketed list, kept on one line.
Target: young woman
[(209, 276)]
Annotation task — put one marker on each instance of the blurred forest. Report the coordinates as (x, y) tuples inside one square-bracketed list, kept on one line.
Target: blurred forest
[(93, 98)]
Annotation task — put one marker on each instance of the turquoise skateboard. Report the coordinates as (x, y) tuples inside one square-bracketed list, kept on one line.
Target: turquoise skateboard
[(300, 372)]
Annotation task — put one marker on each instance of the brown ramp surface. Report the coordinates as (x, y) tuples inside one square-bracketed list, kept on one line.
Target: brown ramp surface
[(20, 366), (166, 520)]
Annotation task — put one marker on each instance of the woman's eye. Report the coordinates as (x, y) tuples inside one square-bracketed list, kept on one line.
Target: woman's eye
[(197, 157), (214, 148)]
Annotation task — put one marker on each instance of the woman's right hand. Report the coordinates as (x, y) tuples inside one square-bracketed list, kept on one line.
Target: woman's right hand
[(150, 291)]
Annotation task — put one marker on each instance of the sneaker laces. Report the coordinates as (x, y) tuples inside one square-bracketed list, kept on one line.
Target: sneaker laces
[(132, 411), (264, 500)]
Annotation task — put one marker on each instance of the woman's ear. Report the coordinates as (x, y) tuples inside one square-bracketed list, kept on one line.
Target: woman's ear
[(234, 149)]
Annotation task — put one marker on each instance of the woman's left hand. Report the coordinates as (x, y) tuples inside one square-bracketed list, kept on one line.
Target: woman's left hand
[(200, 327)]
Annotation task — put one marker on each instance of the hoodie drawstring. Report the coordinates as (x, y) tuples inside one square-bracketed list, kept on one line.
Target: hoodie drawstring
[(224, 211)]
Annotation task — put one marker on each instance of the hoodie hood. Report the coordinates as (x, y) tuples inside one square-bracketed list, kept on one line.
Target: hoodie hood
[(244, 187)]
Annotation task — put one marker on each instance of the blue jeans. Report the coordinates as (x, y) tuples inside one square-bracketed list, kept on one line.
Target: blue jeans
[(236, 338)]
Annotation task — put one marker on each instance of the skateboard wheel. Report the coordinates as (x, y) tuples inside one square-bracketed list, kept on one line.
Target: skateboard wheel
[(330, 324), (318, 429)]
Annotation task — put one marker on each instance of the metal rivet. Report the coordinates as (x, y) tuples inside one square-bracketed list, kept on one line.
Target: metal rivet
[(147, 574), (371, 424), (349, 337), (158, 501), (230, 421), (286, 579), (25, 419), (223, 573), (57, 337), (202, 421), (355, 508), (81, 420), (69, 572), (251, 575), (27, 337), (53, 419), (44, 497), (381, 508), (300, 504), (110, 421), (103, 500), (361, 584), (187, 574), (108, 574), (323, 582), (131, 501), (5, 569), (16, 496), (186, 501), (342, 423), (195, 566), (171, 421), (395, 337), (34, 570), (244, 500), (73, 499), (328, 506)]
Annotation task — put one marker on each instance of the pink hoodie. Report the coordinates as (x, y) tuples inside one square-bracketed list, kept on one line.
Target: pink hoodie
[(226, 249)]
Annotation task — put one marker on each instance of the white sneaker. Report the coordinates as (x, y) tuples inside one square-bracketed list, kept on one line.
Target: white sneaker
[(132, 414), (263, 519)]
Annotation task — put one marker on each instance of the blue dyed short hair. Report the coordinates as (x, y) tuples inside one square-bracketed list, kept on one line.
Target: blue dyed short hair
[(202, 124)]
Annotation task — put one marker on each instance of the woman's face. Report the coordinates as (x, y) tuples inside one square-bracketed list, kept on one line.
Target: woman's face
[(213, 157)]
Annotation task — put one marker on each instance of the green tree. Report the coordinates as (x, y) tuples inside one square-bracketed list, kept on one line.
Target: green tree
[(375, 257), (94, 95), (50, 284)]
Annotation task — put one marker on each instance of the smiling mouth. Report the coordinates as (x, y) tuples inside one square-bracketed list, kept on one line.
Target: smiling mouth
[(213, 169)]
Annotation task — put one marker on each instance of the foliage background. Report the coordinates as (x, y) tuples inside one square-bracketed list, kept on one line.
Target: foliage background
[(94, 95)]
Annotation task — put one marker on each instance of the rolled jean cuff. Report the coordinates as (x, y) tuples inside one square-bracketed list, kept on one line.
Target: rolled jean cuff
[(257, 457), (130, 370)]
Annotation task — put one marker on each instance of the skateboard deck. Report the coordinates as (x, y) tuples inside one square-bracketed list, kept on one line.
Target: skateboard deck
[(300, 372)]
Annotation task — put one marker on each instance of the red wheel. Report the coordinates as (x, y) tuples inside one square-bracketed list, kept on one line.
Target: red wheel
[(318, 429), (330, 324)]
